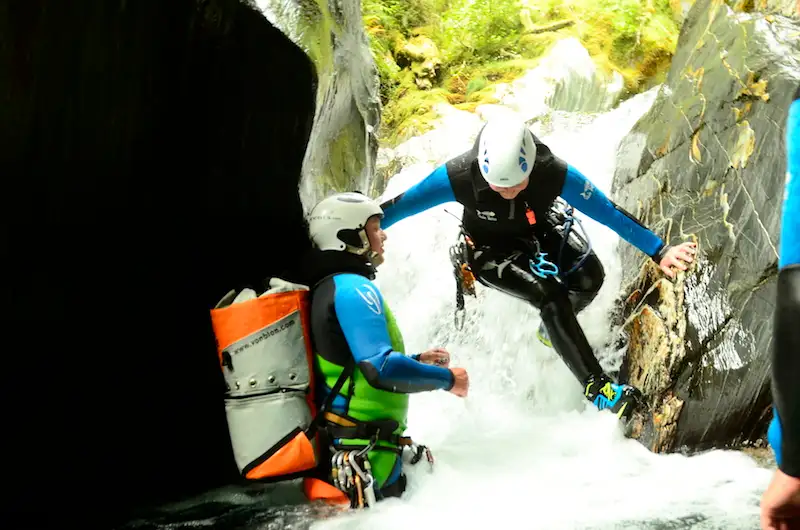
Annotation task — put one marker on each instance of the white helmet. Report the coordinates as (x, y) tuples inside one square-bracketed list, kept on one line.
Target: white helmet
[(506, 151), (337, 223)]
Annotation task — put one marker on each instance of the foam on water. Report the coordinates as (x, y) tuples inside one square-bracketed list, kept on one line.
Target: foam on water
[(525, 449)]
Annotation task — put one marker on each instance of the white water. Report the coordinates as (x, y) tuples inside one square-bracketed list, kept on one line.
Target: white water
[(525, 449)]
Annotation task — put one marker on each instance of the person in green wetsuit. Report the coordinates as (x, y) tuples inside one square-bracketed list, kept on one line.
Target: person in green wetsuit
[(363, 374)]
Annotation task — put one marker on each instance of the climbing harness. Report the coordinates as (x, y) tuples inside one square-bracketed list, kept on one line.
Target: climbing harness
[(461, 256), (561, 215), (562, 219), (351, 471)]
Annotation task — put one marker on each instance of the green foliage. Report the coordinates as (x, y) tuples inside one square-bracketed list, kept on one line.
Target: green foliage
[(472, 32), (482, 42)]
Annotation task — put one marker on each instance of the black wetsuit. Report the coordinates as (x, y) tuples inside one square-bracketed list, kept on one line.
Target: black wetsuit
[(506, 234), (784, 432)]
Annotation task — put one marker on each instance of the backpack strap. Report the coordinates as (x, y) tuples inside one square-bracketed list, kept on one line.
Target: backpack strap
[(326, 405)]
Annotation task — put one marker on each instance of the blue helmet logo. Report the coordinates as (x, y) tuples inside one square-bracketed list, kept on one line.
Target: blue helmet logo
[(523, 162)]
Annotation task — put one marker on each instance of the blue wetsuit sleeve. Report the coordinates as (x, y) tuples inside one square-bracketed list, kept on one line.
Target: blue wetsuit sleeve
[(790, 220), (434, 190), (583, 195), (784, 431), (359, 308)]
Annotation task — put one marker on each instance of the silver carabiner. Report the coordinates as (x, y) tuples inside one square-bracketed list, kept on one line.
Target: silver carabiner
[(335, 470), (343, 477), (369, 490), (349, 477), (367, 480), (355, 466)]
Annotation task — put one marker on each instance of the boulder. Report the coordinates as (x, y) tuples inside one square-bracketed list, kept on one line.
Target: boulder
[(707, 163)]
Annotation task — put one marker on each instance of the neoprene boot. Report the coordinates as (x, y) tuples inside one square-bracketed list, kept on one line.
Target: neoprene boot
[(543, 336), (621, 399)]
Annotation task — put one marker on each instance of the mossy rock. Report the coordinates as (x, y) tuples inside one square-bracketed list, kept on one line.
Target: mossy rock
[(455, 99), (412, 113), (505, 71), (484, 95), (537, 44), (457, 84), (423, 57), (419, 49)]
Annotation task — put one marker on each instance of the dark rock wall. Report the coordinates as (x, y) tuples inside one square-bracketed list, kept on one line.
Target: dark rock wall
[(707, 162), (150, 154)]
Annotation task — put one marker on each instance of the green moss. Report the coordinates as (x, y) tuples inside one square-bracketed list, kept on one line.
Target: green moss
[(410, 113), (538, 44), (487, 42), (345, 160), (506, 71), (476, 83), (485, 95)]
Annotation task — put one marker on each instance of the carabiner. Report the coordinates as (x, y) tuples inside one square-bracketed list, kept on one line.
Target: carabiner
[(359, 492), (369, 492), (429, 456), (369, 489), (335, 471), (417, 452), (348, 471), (355, 466), (367, 448)]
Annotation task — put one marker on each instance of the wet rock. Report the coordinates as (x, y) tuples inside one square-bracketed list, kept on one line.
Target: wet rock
[(343, 147), (707, 163)]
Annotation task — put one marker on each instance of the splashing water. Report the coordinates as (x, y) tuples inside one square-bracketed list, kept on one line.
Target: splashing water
[(525, 449)]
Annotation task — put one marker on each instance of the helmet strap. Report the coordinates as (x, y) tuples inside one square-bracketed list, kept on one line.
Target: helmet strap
[(364, 249), (374, 258)]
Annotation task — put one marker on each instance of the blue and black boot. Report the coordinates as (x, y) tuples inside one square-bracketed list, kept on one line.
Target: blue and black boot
[(622, 400)]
